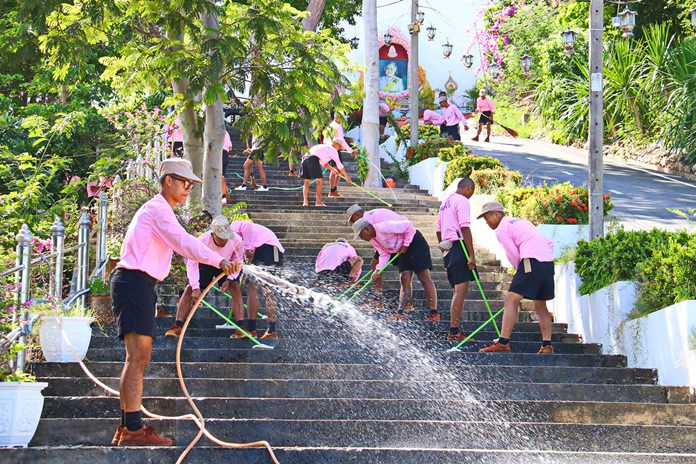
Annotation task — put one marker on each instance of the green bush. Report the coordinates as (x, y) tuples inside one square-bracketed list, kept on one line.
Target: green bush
[(492, 180), (425, 132), (453, 152), (463, 165), (428, 149)]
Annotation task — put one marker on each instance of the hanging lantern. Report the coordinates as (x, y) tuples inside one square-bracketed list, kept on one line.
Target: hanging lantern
[(494, 69), (447, 49), (354, 42), (693, 18), (431, 32), (568, 41), (627, 20), (388, 39), (420, 16), (468, 60), (526, 62)]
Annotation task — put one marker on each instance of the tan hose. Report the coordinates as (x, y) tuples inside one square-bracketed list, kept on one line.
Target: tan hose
[(198, 418)]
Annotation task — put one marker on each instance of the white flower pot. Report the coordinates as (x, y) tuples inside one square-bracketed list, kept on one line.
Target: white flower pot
[(54, 346), (21, 404)]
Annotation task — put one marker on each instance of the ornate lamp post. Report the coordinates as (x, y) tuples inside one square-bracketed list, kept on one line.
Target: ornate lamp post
[(388, 39), (431, 32), (468, 60), (569, 41), (526, 63), (494, 69), (354, 42), (447, 49), (627, 20)]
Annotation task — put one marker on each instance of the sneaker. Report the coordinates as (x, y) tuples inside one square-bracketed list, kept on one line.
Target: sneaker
[(270, 335), (475, 139), (458, 337), (466, 128), (409, 308), (334, 194), (397, 317), (117, 435), (225, 326), (145, 436), (238, 334), (241, 187), (548, 349), (496, 347), (487, 140), (174, 331), (262, 189), (162, 313), (434, 317)]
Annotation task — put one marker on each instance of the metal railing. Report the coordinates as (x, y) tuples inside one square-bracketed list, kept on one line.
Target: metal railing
[(21, 317)]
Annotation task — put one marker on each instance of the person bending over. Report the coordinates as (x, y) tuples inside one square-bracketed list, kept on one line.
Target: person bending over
[(338, 263), (312, 162)]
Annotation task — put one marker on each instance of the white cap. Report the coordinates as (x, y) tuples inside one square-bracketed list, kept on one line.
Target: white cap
[(442, 98), (221, 227), (491, 206), (482, 92), (352, 210), (178, 167), (359, 225)]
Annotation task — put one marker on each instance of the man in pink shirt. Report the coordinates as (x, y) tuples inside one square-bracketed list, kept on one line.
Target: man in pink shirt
[(337, 263), (531, 253), (453, 225), (262, 248), (390, 237), (146, 255), (310, 169), (222, 240), (451, 117), (254, 156), (175, 137), (485, 107)]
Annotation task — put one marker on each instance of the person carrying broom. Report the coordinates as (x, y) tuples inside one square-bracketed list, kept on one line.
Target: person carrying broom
[(485, 107)]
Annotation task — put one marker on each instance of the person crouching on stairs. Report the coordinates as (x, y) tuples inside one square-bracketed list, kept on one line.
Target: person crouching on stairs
[(531, 253), (338, 263), (401, 237), (310, 169), (222, 240), (453, 230), (262, 248)]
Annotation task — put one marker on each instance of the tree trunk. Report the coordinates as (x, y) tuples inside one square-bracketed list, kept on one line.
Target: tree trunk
[(193, 143), (315, 9), (370, 121)]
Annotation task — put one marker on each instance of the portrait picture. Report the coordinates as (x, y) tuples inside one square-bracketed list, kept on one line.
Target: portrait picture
[(393, 75)]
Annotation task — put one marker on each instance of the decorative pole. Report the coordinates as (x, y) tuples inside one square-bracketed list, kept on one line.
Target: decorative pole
[(596, 131), (414, 28), (24, 254), (58, 235)]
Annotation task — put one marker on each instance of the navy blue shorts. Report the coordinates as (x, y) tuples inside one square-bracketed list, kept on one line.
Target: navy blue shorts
[(134, 300), (417, 258), (537, 284), (268, 255), (457, 265)]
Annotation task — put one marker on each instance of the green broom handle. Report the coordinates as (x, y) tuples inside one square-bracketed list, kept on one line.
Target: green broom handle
[(229, 321), (490, 319)]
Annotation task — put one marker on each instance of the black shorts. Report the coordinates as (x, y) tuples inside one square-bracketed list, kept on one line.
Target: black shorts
[(311, 168), (225, 161), (206, 274), (417, 258), (383, 121), (134, 300), (178, 149), (450, 131), (457, 265), (332, 163), (268, 255), (339, 275), (537, 284), (486, 117)]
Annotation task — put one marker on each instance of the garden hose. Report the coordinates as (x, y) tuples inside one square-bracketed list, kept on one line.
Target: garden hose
[(198, 418)]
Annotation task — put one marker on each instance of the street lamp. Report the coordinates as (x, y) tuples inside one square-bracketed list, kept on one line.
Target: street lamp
[(693, 18), (354, 42), (468, 60), (447, 49), (420, 16), (627, 20), (388, 39), (526, 62), (568, 41), (431, 32), (494, 69)]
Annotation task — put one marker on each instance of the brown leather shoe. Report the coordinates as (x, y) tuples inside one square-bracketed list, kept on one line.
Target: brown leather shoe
[(433, 317), (397, 317), (548, 349), (117, 435), (145, 436), (174, 331), (270, 335), (475, 139), (458, 337), (162, 313), (237, 334), (496, 347)]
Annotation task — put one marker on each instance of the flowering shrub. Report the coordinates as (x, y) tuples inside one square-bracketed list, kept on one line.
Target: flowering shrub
[(139, 129), (425, 132), (490, 180), (428, 149), (464, 165), (453, 152)]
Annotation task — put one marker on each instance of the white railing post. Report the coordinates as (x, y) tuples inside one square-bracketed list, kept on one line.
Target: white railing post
[(101, 237), (58, 236), (24, 254), (83, 254)]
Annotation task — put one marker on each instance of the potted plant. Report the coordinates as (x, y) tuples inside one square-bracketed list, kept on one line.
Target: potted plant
[(21, 401), (56, 319), (100, 302)]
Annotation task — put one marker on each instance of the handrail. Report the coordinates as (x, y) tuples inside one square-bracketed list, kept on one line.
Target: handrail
[(40, 259), (69, 301), (12, 271)]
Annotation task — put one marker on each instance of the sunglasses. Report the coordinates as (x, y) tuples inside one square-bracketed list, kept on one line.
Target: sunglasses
[(188, 185)]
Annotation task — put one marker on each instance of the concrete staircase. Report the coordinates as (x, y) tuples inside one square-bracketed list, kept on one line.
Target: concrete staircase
[(340, 392)]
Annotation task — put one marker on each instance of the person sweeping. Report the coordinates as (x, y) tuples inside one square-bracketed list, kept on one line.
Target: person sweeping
[(531, 253), (312, 162), (485, 107), (453, 225), (146, 255)]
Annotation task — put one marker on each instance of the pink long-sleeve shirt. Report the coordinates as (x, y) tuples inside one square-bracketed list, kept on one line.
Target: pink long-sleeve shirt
[(326, 153), (433, 117), (339, 136), (484, 104), (452, 115), (377, 215), (174, 131), (255, 235), (233, 251), (152, 236), (333, 255), (391, 237), (454, 214), (521, 239), (227, 143)]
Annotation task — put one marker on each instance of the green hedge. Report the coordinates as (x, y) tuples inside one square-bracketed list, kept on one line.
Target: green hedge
[(463, 165), (492, 180)]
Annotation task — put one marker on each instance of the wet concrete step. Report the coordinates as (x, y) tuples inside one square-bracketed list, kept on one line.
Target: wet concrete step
[(542, 374), (447, 434), (300, 455)]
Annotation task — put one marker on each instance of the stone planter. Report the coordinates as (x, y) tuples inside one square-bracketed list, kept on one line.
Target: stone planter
[(429, 175), (101, 308), (54, 346), (21, 404), (564, 236)]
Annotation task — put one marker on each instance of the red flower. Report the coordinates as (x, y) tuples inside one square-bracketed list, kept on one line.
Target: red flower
[(559, 219), (572, 221)]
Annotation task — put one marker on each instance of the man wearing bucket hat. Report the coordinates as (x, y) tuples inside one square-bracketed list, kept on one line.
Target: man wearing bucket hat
[(401, 237), (222, 240), (531, 253), (485, 107), (146, 254), (337, 263), (451, 116)]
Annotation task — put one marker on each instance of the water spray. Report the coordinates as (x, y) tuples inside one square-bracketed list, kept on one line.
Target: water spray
[(257, 344), (378, 171), (215, 287), (471, 335)]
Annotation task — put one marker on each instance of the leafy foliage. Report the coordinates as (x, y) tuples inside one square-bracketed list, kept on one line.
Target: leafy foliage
[(425, 132), (462, 166), (428, 149), (492, 180)]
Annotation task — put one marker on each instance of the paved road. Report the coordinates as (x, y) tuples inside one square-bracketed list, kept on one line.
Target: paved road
[(641, 196)]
